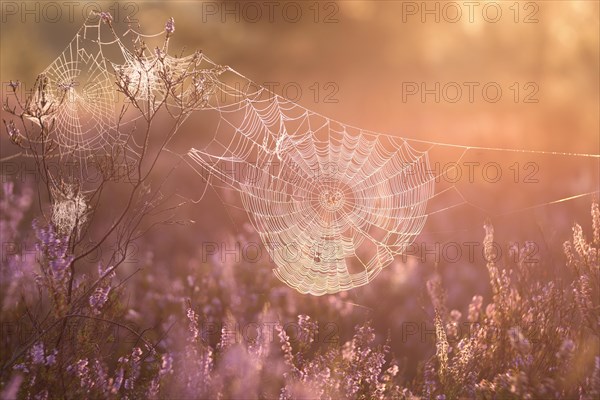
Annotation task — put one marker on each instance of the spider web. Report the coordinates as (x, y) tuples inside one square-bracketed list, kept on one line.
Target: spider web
[(333, 204), (84, 95), (75, 97)]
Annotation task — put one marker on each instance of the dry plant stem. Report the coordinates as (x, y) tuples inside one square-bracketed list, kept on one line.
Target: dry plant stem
[(132, 223)]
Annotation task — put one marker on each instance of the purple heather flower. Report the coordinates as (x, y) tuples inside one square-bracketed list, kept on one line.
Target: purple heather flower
[(128, 384), (55, 248), (566, 349), (118, 380), (170, 26), (51, 358), (136, 354), (98, 298), (21, 367), (13, 131), (14, 85), (81, 370), (37, 353), (166, 365)]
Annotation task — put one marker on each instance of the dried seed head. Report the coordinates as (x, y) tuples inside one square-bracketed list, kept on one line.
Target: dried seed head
[(170, 26)]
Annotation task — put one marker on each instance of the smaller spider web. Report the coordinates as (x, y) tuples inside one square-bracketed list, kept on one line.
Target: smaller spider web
[(77, 94), (85, 94)]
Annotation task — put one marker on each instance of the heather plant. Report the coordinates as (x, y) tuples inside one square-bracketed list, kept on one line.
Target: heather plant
[(72, 311), (535, 339), (276, 366)]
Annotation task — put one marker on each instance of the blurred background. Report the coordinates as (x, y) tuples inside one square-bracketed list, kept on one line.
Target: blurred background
[(368, 64)]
